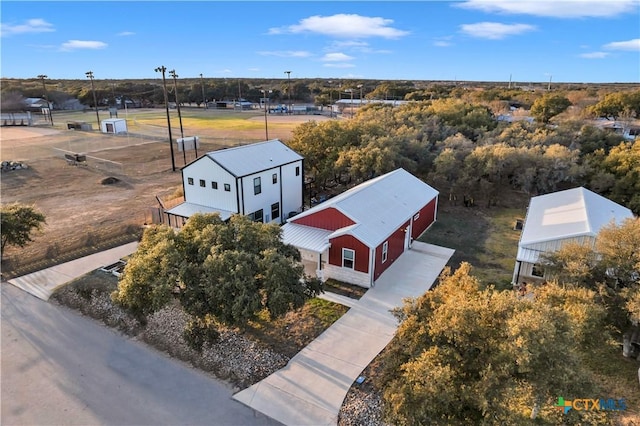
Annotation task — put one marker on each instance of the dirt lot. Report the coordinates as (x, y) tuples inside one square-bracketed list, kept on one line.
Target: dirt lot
[(79, 208)]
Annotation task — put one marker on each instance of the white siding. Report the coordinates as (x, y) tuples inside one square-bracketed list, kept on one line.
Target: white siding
[(269, 195), (347, 275), (291, 188), (206, 169)]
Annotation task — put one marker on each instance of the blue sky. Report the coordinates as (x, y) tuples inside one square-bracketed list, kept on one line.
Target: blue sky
[(482, 40)]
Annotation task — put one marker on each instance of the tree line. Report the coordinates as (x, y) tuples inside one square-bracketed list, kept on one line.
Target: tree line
[(460, 148)]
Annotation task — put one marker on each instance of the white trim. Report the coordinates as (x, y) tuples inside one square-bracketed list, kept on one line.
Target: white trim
[(353, 259), (385, 251)]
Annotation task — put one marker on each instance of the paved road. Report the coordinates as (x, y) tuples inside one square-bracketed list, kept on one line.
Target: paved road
[(60, 368)]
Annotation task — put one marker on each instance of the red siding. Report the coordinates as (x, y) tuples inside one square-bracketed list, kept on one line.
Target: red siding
[(396, 248), (350, 242), (427, 217), (329, 218)]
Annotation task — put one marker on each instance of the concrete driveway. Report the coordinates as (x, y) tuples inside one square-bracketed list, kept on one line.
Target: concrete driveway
[(311, 388), (59, 368)]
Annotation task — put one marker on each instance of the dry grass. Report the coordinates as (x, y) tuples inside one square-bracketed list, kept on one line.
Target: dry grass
[(289, 334), (344, 289)]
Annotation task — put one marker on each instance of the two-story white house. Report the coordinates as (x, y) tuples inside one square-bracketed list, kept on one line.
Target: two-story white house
[(263, 180)]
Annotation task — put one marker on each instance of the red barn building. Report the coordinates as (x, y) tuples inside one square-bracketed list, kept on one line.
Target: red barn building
[(355, 236)]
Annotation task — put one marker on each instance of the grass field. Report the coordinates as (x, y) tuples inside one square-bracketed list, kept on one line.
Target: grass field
[(483, 237)]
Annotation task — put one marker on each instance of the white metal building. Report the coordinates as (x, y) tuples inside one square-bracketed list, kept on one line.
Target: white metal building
[(262, 180), (574, 215), (113, 125)]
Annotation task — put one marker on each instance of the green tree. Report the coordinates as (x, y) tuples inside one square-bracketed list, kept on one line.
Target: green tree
[(611, 107), (227, 271), (611, 267), (462, 351), (151, 273), (18, 222), (548, 106)]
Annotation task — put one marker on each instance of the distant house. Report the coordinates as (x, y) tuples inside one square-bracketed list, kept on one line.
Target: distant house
[(574, 215), (355, 236), (36, 104), (263, 181)]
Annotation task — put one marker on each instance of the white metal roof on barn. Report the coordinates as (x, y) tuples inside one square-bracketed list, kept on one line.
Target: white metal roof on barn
[(248, 159), (566, 214), (306, 237), (379, 206)]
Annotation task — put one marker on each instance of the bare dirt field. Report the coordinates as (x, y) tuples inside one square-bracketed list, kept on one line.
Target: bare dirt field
[(80, 209)]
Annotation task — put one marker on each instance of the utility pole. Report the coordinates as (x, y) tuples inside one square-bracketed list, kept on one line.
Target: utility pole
[(289, 89), (163, 69), (89, 75), (173, 74), (549, 86), (265, 94), (204, 100), (46, 97)]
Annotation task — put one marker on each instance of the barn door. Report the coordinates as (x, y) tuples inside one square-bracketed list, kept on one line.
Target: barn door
[(407, 238)]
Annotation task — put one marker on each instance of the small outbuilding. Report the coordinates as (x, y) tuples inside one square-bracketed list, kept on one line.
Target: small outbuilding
[(113, 125), (574, 215)]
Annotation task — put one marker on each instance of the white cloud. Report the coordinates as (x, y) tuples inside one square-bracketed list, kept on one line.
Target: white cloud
[(555, 9), (339, 65), (82, 44), (254, 69), (31, 26), (286, 53), (126, 33), (343, 26), (594, 55), (495, 30), (442, 43), (336, 57), (632, 45)]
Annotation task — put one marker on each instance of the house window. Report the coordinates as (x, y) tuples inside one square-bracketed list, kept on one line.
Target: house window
[(297, 170), (275, 210), (416, 216), (257, 186), (537, 271), (190, 181), (214, 185), (348, 258), (385, 251), (274, 178), (256, 216), (227, 187), (203, 183)]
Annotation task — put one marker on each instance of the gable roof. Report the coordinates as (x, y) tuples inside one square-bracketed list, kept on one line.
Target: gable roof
[(567, 214), (247, 159), (378, 206)]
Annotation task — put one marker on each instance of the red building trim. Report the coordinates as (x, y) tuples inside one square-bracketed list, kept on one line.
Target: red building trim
[(425, 219), (350, 242), (395, 249), (330, 219)]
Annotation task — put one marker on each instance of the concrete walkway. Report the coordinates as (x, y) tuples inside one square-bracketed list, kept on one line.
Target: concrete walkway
[(311, 388), (43, 283)]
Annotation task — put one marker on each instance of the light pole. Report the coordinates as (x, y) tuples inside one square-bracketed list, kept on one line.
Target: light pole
[(173, 74), (265, 96), (163, 69), (46, 96), (289, 89), (351, 91), (89, 75), (204, 100)]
